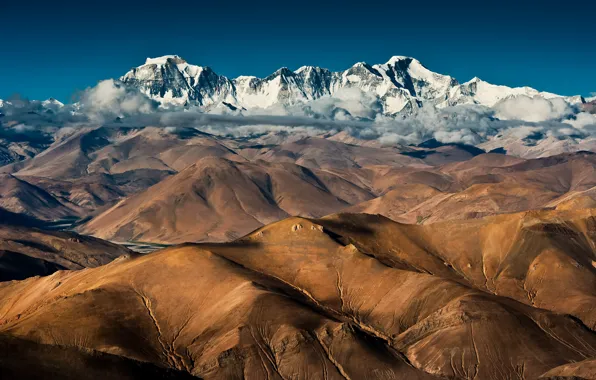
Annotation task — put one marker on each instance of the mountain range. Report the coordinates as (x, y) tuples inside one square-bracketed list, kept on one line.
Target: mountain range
[(384, 222), (133, 178), (400, 85), (155, 185)]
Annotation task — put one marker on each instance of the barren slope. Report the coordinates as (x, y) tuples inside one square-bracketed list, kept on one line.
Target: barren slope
[(54, 250), (216, 199), (488, 184), (21, 197), (346, 297)]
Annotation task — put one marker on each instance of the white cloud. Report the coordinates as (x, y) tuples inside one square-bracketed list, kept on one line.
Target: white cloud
[(524, 131), (347, 103), (22, 128), (534, 109), (582, 120), (110, 97), (351, 110)]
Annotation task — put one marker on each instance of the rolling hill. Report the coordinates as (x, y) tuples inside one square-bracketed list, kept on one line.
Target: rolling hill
[(294, 299)]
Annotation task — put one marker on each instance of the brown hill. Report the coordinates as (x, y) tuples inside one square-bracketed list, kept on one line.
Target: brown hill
[(507, 255), (94, 167), (88, 170), (488, 184), (585, 369), (216, 199), (67, 157), (159, 149), (576, 200), (114, 149), (21, 197), (346, 297), (319, 153), (23, 246), (219, 200), (98, 191), (399, 201)]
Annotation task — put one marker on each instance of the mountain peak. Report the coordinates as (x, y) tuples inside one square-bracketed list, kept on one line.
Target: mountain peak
[(282, 71), (52, 102), (305, 68), (398, 58), (163, 59)]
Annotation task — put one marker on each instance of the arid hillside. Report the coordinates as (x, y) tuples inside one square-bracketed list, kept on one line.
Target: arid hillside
[(348, 296), (175, 185), (27, 251), (217, 200)]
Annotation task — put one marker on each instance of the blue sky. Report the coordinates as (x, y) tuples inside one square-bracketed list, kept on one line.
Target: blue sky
[(54, 49)]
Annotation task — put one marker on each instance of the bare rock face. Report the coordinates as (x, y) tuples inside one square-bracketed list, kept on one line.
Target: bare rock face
[(343, 297)]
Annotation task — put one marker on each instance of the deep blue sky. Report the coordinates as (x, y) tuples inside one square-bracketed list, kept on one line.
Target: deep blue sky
[(54, 48)]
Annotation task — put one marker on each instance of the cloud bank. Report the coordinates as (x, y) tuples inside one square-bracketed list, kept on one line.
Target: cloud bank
[(111, 98), (351, 110), (534, 109)]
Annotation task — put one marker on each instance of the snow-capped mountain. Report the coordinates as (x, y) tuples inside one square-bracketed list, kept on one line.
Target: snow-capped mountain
[(171, 80), (400, 85), (48, 104), (477, 91), (52, 103)]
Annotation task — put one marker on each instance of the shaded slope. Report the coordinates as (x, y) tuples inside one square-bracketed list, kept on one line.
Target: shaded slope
[(17, 266), (96, 191), (14, 219), (21, 197), (56, 250), (26, 360)]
